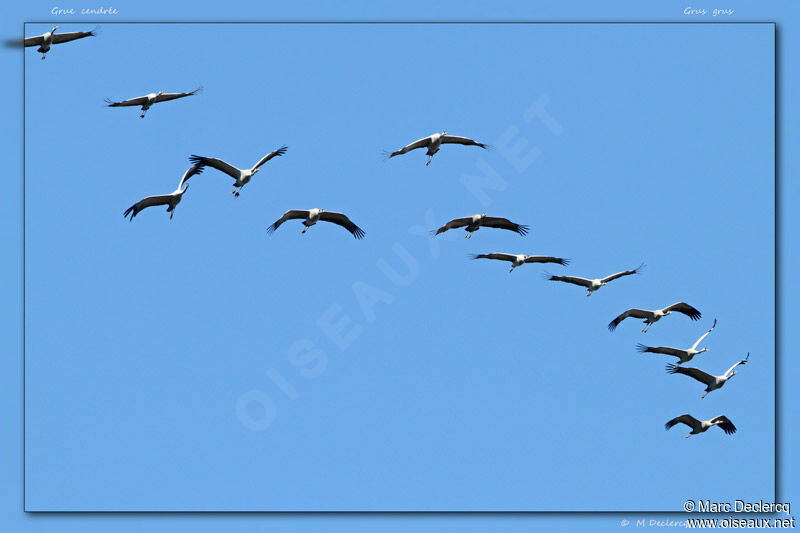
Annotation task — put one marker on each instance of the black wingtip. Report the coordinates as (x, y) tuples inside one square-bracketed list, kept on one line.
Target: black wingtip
[(523, 230), (612, 326), (671, 368), (564, 262), (641, 348), (358, 233)]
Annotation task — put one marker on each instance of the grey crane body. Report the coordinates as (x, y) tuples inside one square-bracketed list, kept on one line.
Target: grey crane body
[(593, 285), (311, 216), (475, 222), (171, 200), (701, 426), (683, 355), (148, 100), (711, 382), (241, 176), (650, 317), (46, 40), (518, 260), (434, 142)]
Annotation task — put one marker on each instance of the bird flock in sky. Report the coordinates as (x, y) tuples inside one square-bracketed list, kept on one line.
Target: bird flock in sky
[(471, 224)]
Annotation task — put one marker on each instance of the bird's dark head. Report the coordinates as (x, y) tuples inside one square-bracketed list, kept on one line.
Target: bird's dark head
[(54, 29), (444, 133)]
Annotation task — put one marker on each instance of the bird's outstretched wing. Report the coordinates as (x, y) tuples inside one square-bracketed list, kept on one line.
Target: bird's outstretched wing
[(71, 36), (632, 313), (583, 282), (666, 350), (27, 41), (288, 215), (686, 309), (724, 422), (421, 143), (192, 171), (704, 335), (742, 362), (612, 277), (546, 259), (164, 97), (342, 220), (495, 255), (139, 100), (144, 203), (695, 373), (276, 153), (503, 223), (455, 223), (219, 164), (455, 139), (689, 420)]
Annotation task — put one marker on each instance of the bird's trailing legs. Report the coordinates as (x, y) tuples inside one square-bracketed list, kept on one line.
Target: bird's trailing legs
[(43, 56), (430, 158)]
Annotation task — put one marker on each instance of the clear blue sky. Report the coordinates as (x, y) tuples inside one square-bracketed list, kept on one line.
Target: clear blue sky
[(464, 387)]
